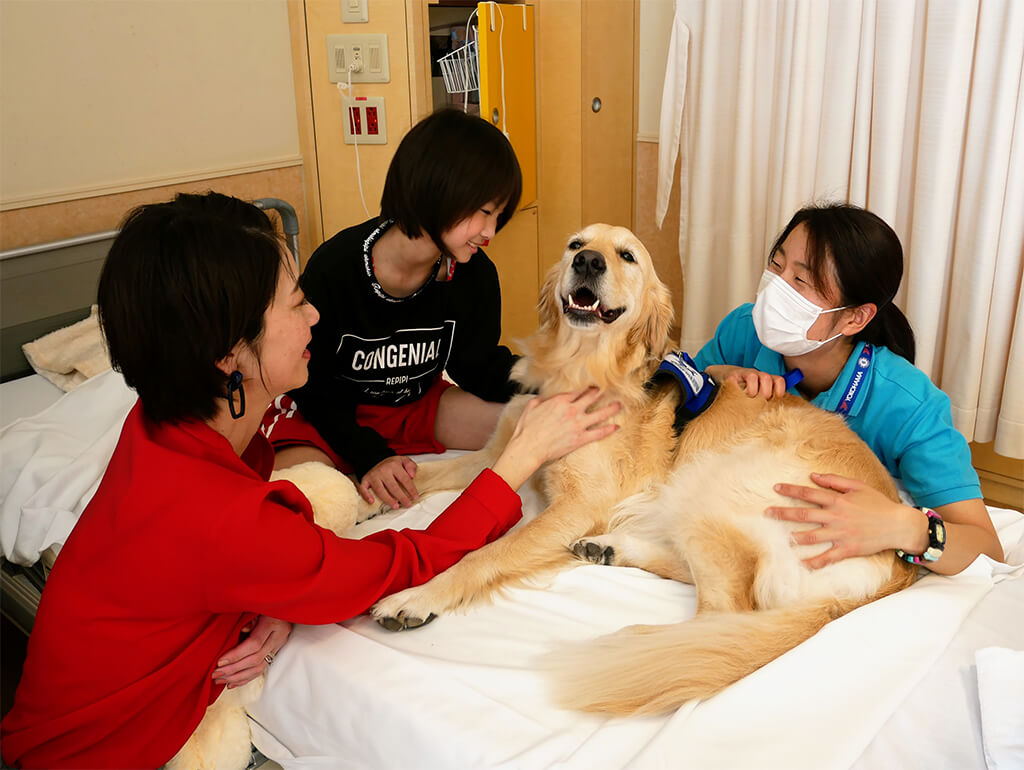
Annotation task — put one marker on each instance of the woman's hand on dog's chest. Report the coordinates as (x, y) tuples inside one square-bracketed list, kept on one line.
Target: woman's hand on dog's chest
[(552, 428)]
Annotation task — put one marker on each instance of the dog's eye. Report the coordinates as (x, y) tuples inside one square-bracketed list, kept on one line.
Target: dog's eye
[(627, 255), (575, 245)]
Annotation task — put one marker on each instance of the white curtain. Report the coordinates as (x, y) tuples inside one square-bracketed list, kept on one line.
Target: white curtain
[(911, 108)]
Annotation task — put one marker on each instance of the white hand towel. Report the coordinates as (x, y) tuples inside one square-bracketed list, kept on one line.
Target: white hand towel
[(69, 356)]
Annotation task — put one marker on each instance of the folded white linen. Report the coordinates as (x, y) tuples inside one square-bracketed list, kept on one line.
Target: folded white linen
[(1001, 697), (68, 357), (465, 691), (51, 464)]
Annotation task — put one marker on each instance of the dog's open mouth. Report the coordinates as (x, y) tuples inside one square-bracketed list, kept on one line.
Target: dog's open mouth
[(583, 305)]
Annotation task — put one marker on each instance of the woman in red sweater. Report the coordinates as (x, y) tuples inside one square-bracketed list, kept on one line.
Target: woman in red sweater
[(188, 566)]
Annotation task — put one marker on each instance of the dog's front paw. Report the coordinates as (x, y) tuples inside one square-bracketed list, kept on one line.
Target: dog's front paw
[(365, 510), (594, 551), (401, 611)]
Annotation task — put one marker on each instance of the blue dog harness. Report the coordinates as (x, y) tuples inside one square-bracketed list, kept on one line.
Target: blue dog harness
[(698, 388)]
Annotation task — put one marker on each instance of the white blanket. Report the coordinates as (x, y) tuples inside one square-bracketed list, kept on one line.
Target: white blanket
[(464, 691), (51, 464)]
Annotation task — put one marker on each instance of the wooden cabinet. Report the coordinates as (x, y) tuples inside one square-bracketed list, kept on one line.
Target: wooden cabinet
[(586, 159), (514, 253), (508, 84)]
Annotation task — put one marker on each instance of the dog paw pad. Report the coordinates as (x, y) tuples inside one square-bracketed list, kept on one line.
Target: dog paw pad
[(593, 552), (403, 622), (391, 624)]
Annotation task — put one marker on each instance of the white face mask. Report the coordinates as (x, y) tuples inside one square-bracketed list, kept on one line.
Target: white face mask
[(782, 317)]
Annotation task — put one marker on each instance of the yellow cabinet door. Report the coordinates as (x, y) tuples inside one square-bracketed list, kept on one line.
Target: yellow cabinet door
[(514, 253), (507, 82)]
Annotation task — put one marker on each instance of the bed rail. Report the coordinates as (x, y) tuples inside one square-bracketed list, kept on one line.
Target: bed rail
[(289, 223), (40, 248), (46, 286)]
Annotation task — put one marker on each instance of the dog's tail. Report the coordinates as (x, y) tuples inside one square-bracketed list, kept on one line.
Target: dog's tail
[(653, 669)]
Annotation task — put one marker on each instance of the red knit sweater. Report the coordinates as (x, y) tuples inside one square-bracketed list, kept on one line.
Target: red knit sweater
[(183, 543)]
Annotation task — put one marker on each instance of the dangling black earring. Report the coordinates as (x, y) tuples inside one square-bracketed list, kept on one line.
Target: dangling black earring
[(235, 385)]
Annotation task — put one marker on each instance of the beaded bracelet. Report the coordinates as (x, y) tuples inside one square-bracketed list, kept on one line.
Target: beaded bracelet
[(936, 540)]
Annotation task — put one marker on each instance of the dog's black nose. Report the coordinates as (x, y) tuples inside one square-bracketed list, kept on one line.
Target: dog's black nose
[(589, 262)]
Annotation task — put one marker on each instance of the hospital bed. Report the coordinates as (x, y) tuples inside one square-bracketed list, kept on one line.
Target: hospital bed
[(929, 677)]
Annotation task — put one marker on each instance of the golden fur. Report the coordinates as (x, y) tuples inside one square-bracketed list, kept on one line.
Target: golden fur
[(688, 507)]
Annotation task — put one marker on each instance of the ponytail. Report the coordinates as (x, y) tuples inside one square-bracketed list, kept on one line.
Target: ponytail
[(891, 328)]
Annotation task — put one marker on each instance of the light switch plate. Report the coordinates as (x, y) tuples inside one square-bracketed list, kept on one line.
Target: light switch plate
[(354, 11), (371, 50)]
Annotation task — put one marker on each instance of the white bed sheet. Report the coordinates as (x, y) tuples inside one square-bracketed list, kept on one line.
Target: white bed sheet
[(892, 684), (464, 691)]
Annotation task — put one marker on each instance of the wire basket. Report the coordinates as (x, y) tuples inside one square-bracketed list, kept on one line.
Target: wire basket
[(461, 69)]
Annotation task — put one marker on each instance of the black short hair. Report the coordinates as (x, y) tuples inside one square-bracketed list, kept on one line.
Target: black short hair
[(184, 282), (448, 166), (864, 256)]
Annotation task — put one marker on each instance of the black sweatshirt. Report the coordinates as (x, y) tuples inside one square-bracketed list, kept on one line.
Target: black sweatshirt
[(371, 348)]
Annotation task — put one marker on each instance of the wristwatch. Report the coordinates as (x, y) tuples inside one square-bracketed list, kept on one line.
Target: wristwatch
[(936, 540)]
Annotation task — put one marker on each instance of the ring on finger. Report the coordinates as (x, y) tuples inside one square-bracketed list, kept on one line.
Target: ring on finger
[(269, 657)]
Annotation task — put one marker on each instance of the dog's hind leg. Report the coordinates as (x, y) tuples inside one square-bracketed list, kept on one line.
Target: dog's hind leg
[(540, 547), (638, 536), (724, 564), (621, 548)]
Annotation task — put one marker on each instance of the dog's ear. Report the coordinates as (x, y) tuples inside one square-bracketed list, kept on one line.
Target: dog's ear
[(549, 308), (653, 322)]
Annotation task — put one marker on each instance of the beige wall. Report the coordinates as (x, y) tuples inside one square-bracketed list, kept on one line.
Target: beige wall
[(655, 28), (653, 33), (66, 219), (103, 96)]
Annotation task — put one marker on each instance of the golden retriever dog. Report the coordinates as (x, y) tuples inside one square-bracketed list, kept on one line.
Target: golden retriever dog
[(685, 505)]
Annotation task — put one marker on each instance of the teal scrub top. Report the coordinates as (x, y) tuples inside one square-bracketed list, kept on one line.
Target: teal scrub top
[(899, 413)]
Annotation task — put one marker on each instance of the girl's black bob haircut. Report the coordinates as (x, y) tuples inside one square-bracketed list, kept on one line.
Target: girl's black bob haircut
[(448, 166), (184, 282)]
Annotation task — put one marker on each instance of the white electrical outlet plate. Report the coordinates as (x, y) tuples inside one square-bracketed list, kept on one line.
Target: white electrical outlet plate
[(370, 51), (364, 120), (354, 11)]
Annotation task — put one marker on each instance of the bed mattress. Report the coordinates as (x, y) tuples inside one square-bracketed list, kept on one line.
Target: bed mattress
[(887, 685), (25, 397)]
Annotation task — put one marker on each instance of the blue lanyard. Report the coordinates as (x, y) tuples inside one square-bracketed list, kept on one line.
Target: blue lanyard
[(853, 388)]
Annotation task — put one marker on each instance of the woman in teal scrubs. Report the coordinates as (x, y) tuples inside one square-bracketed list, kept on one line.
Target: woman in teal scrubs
[(824, 306)]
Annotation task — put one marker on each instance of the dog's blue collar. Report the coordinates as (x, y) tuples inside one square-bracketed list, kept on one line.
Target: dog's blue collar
[(698, 388)]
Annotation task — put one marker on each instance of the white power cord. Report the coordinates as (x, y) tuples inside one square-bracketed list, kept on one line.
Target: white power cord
[(342, 88), (465, 64)]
